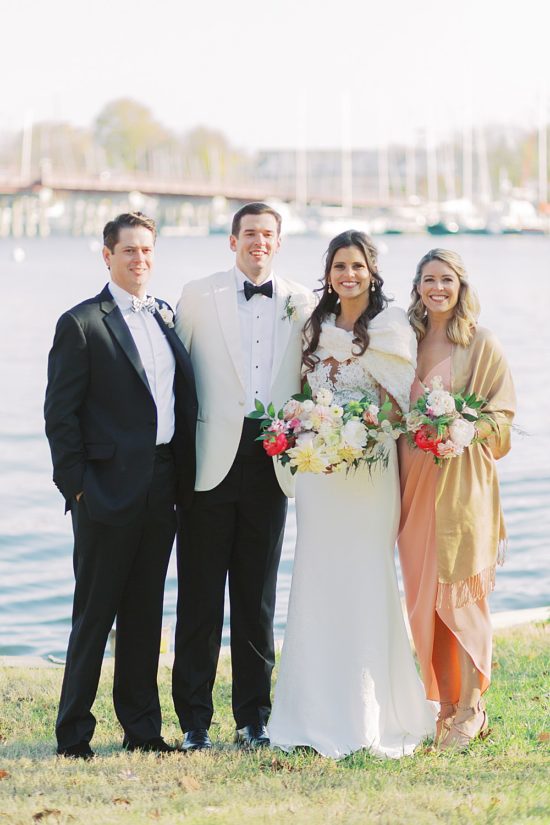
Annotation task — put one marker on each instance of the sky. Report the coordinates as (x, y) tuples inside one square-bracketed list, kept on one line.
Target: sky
[(284, 73)]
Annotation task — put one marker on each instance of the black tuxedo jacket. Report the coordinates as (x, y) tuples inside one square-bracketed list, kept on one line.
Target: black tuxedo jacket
[(101, 419)]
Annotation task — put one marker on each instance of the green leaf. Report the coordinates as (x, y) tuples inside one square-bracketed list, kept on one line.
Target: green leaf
[(256, 414), (259, 406), (271, 410), (307, 391)]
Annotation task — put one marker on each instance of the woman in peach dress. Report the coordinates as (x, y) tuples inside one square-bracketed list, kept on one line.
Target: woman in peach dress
[(452, 532)]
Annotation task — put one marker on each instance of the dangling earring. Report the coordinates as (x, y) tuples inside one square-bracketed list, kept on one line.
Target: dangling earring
[(373, 285), (329, 290)]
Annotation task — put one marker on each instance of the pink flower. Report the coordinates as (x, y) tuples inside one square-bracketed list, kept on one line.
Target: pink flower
[(291, 409), (370, 416), (277, 426), (448, 449)]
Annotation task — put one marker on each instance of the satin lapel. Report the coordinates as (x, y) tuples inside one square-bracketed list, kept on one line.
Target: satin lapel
[(225, 298), (119, 329), (283, 327), (179, 351)]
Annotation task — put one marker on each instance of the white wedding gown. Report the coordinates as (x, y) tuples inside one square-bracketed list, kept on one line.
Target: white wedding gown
[(347, 678)]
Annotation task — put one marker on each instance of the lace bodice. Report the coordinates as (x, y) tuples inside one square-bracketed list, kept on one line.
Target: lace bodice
[(347, 377), (385, 368)]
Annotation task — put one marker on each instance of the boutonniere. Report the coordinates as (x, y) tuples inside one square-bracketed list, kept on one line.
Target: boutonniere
[(292, 305), (166, 314)]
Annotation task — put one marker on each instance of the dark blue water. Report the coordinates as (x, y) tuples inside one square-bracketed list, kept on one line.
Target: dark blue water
[(512, 276)]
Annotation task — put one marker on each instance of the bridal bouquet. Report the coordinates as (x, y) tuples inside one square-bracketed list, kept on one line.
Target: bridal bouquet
[(314, 434), (443, 423)]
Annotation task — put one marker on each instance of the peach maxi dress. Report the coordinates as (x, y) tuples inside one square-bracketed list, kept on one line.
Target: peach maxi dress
[(436, 631)]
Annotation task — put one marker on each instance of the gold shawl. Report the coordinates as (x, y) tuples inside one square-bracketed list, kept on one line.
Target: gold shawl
[(470, 529)]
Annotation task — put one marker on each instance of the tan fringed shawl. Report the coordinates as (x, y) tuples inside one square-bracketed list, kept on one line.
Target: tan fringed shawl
[(470, 529)]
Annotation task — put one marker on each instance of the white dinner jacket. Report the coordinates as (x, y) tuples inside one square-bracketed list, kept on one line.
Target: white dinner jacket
[(207, 322)]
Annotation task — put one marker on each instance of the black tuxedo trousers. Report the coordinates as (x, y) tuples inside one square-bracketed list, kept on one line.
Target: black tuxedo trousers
[(119, 572), (234, 531)]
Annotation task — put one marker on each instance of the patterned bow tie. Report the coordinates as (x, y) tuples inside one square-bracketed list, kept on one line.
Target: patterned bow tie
[(147, 303), (263, 289)]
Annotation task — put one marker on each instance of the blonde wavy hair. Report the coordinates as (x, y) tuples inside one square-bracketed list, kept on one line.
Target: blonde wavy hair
[(461, 327)]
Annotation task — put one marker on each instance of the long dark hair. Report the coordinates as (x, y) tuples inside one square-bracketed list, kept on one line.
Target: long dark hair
[(329, 303)]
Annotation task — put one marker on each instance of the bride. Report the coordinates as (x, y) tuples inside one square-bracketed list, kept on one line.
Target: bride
[(347, 678)]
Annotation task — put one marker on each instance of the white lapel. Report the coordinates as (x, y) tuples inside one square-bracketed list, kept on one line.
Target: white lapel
[(225, 298), (283, 327)]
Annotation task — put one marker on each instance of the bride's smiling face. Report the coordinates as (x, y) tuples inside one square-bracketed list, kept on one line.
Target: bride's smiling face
[(349, 275)]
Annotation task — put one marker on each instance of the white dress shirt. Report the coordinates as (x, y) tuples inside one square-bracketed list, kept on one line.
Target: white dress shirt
[(257, 325), (157, 359)]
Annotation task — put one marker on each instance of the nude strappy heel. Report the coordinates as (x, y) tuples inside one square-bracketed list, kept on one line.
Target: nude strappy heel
[(458, 737), (444, 720)]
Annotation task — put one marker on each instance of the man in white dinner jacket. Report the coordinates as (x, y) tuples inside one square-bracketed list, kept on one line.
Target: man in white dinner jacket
[(242, 329)]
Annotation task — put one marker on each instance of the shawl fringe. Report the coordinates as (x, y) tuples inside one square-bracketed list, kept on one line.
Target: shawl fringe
[(502, 551), (467, 591)]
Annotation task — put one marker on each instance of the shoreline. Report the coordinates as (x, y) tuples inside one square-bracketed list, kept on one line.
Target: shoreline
[(500, 621)]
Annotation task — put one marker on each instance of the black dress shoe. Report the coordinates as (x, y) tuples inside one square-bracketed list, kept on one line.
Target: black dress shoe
[(252, 736), (196, 740), (79, 751), (155, 745)]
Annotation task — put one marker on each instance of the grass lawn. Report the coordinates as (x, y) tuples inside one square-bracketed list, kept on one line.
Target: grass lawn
[(504, 779)]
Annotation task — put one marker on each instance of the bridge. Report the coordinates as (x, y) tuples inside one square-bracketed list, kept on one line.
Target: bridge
[(82, 204), (321, 192)]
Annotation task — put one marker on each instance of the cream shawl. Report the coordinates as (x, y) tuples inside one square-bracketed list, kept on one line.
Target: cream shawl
[(470, 529), (390, 357)]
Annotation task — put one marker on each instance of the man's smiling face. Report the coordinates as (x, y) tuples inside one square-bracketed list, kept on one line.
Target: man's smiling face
[(255, 246)]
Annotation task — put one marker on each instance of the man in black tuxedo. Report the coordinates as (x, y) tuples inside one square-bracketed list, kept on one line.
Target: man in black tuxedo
[(120, 414)]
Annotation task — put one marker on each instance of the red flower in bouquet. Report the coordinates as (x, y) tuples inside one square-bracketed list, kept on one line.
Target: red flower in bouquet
[(426, 439), (275, 445)]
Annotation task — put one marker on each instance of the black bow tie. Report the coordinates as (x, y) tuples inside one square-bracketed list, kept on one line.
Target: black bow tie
[(263, 289)]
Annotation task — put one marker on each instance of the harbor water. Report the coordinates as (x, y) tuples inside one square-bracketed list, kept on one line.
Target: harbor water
[(41, 278)]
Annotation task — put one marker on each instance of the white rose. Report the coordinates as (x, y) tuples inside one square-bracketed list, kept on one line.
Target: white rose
[(440, 402), (324, 397), (307, 405), (167, 316), (354, 434), (462, 432), (469, 411)]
